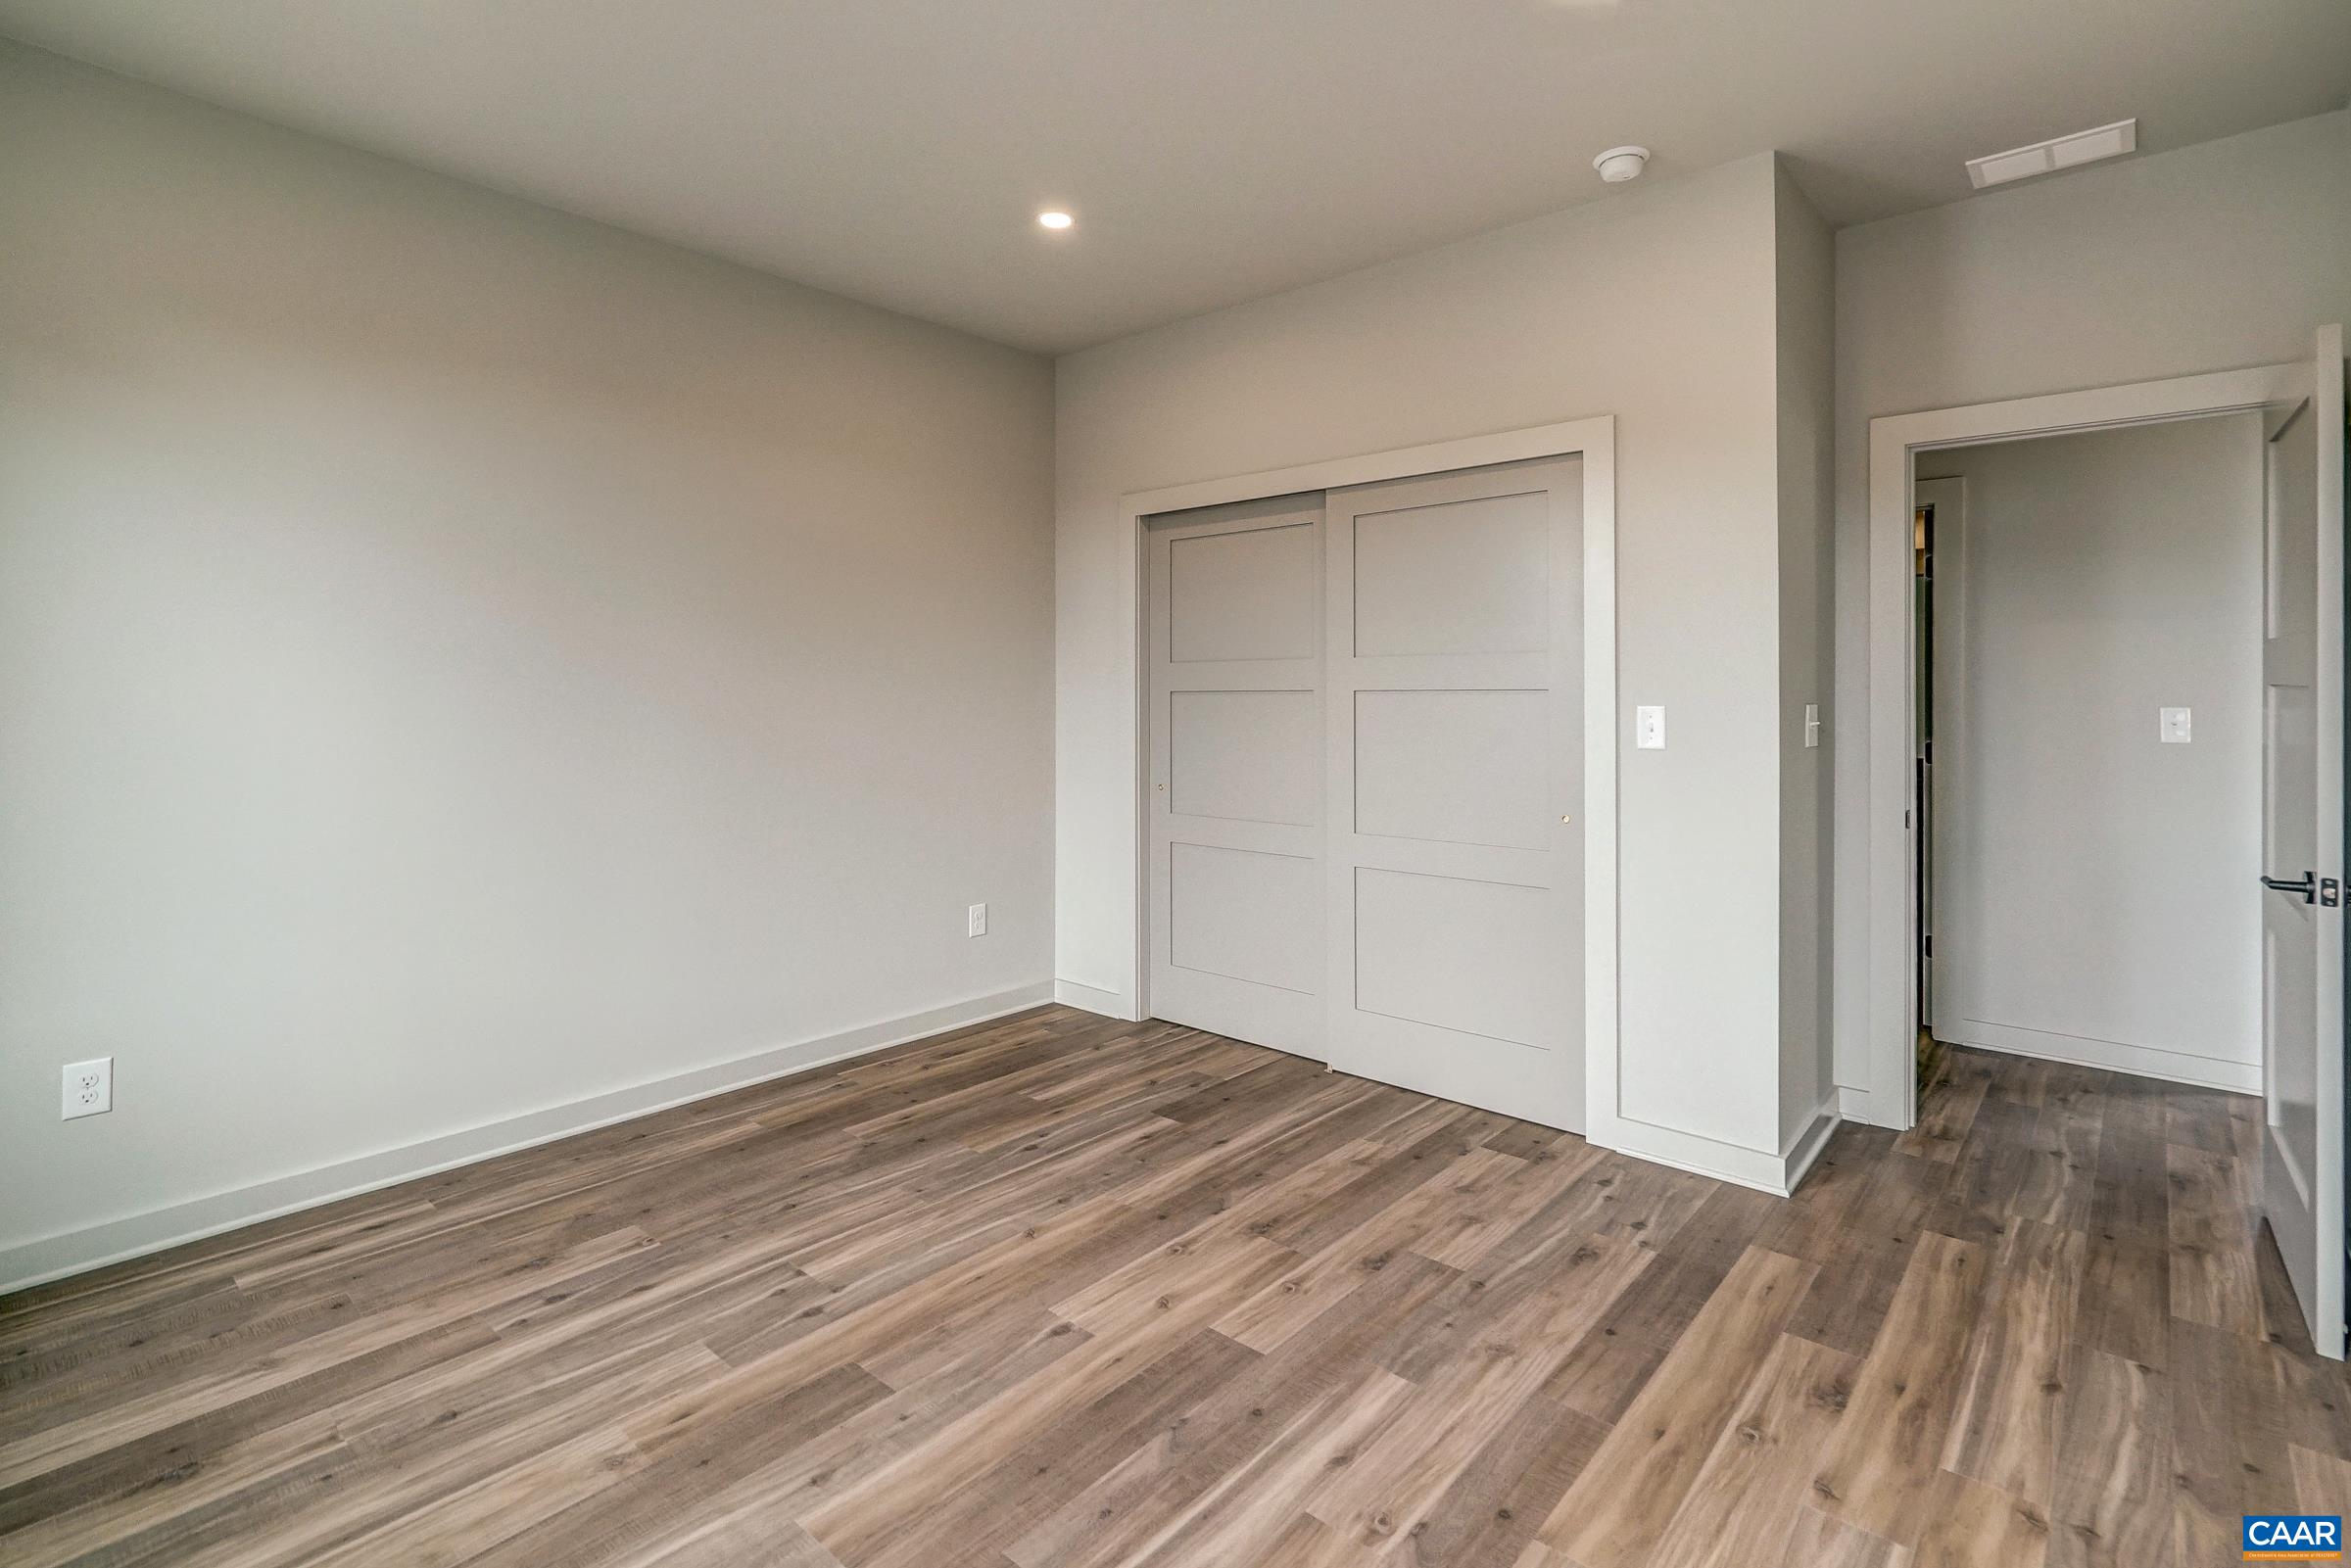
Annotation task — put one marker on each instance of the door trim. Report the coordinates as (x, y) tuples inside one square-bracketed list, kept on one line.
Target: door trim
[(1894, 440), (1595, 442)]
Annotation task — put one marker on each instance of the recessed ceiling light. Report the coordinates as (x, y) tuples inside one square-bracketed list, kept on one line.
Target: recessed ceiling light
[(2058, 152), (1055, 220)]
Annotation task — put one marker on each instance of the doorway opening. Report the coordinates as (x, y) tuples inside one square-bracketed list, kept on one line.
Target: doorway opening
[(2088, 750), (2060, 925)]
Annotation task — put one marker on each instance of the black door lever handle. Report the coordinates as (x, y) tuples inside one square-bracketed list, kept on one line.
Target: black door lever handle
[(2308, 887)]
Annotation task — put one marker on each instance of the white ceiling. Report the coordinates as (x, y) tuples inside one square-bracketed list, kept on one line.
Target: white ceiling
[(1212, 150)]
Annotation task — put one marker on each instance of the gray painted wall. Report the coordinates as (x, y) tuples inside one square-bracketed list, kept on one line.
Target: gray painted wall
[(2218, 255), (456, 659), (2103, 880)]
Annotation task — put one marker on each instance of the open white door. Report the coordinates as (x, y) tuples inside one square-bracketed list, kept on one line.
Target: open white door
[(2302, 841)]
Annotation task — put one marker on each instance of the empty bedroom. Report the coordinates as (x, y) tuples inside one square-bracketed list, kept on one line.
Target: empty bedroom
[(1504, 783)]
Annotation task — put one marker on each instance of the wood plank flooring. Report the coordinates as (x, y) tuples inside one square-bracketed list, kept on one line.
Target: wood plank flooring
[(1058, 1292)]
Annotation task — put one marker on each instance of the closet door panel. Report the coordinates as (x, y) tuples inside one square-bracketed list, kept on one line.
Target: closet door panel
[(1234, 650), (1453, 868)]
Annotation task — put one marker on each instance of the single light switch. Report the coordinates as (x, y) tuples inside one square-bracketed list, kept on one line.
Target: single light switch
[(2173, 727), (1649, 728), (1812, 725)]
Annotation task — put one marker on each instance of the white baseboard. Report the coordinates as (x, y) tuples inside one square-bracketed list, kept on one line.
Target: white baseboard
[(1093, 999), (1701, 1156), (1693, 1152), (1811, 1141), (48, 1257), (2147, 1062), (1854, 1105)]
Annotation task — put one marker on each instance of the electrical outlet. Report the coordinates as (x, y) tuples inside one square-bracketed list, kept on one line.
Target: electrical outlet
[(975, 920), (89, 1087)]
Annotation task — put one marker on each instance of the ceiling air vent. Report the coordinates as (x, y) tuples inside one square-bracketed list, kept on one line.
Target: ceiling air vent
[(2059, 151)]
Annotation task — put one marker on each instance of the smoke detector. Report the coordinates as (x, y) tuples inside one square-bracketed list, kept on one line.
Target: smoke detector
[(1620, 163)]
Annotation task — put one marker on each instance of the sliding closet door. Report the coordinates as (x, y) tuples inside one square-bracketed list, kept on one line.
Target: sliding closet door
[(1454, 863), (1235, 598)]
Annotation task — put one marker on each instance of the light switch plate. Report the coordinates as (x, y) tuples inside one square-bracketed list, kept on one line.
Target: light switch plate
[(1649, 728), (1812, 725), (2172, 725)]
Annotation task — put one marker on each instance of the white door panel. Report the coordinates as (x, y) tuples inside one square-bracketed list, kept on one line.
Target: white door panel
[(1232, 914), (1454, 857), (2302, 837), (1453, 766), (1246, 757), (1234, 630), (1451, 577), (1235, 592), (1459, 953)]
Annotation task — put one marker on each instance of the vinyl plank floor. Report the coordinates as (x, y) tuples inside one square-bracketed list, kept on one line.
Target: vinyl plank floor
[(1063, 1292)]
